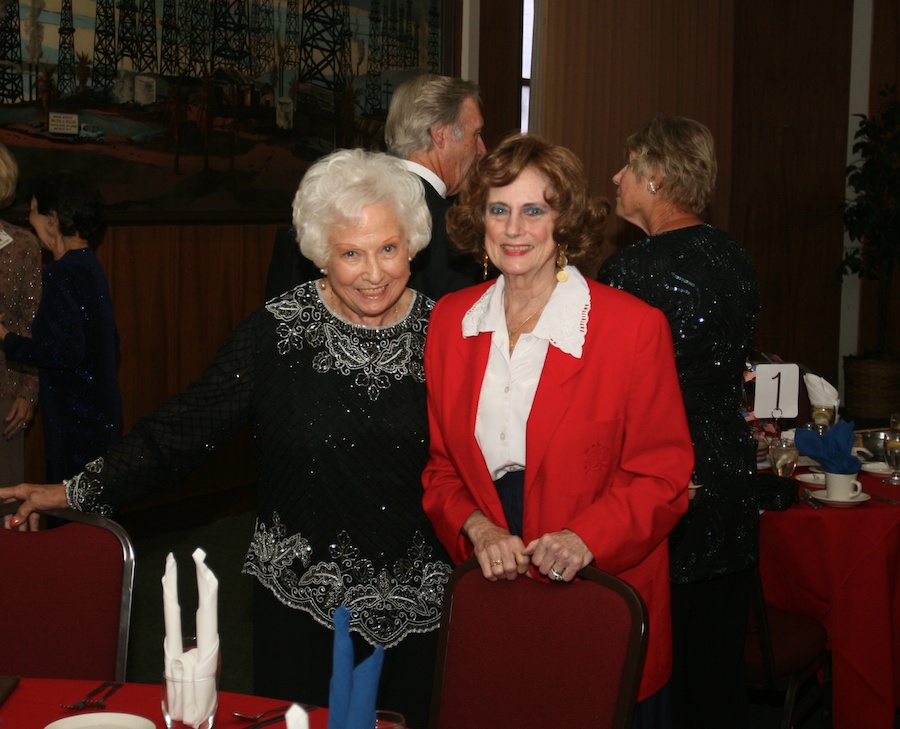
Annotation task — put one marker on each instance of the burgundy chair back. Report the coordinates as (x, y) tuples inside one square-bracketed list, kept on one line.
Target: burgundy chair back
[(66, 603), (529, 653)]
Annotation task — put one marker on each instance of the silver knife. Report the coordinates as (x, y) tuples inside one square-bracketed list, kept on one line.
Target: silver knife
[(885, 499), (810, 500)]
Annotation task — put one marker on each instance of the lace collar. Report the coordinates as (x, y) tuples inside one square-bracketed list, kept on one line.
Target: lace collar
[(563, 321)]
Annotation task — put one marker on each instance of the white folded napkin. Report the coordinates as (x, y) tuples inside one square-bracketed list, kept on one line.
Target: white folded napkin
[(296, 718), (191, 703), (821, 393)]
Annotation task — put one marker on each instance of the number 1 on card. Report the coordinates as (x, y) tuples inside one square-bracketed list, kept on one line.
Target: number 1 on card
[(777, 391)]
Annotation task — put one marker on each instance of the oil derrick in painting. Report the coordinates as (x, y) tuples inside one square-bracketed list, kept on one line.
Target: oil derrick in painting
[(104, 74), (65, 69), (171, 60), (291, 52), (324, 85), (11, 53), (374, 106), (262, 38), (137, 40), (325, 44), (434, 36), (230, 39), (400, 39), (197, 32)]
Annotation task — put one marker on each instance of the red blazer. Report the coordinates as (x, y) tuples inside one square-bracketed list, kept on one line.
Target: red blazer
[(609, 453)]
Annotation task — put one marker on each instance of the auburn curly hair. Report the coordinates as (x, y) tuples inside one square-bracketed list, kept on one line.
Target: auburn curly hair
[(581, 218)]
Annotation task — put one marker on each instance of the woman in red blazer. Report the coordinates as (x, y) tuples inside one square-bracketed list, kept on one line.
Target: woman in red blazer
[(558, 434)]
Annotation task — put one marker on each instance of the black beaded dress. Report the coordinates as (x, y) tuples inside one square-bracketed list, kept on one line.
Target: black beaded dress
[(338, 415), (705, 284)]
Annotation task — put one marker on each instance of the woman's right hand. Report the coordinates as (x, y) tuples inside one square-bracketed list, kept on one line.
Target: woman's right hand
[(499, 553), (34, 497)]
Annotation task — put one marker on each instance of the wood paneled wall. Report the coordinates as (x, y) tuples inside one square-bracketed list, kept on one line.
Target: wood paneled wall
[(608, 67), (885, 70), (770, 79), (500, 67), (790, 140)]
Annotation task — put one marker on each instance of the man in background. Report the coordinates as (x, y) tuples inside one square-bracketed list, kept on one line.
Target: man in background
[(434, 124)]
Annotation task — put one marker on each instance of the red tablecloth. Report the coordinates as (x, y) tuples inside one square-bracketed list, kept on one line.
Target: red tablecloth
[(842, 566), (36, 702)]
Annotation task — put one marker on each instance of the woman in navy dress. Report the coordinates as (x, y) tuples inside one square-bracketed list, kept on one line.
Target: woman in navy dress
[(74, 341)]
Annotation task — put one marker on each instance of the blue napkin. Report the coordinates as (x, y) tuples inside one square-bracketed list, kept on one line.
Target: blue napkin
[(352, 692), (832, 450)]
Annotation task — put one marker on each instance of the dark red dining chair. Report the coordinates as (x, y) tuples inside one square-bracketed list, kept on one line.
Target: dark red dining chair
[(785, 652), (533, 654), (66, 599)]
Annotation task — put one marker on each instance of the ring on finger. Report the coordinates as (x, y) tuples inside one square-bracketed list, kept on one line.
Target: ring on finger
[(496, 561), (556, 575)]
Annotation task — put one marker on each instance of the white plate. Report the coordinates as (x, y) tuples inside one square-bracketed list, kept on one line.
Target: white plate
[(102, 720), (840, 503), (818, 478), (882, 468)]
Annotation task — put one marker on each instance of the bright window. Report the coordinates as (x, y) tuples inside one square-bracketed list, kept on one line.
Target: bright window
[(527, 37)]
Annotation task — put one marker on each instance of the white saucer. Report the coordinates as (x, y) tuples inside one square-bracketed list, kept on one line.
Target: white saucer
[(102, 720), (840, 503), (876, 467), (818, 478)]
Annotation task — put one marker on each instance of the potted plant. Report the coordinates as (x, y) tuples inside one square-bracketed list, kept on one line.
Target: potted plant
[(872, 220)]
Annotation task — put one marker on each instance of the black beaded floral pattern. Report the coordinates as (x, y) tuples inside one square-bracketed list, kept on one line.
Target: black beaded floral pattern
[(705, 284)]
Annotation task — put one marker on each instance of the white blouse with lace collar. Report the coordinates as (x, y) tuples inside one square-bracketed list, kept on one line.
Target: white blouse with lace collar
[(510, 381)]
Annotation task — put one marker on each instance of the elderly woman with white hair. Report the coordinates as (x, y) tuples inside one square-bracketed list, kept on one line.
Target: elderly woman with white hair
[(329, 377)]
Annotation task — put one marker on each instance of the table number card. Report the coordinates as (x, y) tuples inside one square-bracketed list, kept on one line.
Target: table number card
[(777, 391)]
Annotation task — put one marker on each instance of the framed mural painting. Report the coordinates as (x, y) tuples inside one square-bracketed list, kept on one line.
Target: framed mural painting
[(203, 110)]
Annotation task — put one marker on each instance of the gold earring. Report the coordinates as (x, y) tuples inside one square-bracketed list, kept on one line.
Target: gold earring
[(484, 263), (561, 263)]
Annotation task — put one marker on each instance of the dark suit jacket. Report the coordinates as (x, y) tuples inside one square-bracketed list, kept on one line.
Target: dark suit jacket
[(288, 267), (608, 448), (438, 269)]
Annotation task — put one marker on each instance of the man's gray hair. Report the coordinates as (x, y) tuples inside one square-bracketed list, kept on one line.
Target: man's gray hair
[(421, 103)]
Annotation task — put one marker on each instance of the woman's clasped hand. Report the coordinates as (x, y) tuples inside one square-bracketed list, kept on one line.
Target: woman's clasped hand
[(557, 555)]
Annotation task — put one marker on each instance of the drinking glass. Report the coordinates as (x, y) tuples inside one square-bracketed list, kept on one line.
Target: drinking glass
[(817, 428), (389, 720), (892, 456), (783, 455), (823, 416), (189, 703)]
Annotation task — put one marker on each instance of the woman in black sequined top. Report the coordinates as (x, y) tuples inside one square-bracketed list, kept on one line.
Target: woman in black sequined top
[(704, 282), (329, 377)]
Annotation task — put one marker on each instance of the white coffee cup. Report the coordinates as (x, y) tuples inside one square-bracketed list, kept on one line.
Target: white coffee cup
[(842, 486)]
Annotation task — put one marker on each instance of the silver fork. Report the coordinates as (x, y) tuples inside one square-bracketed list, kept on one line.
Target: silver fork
[(83, 704), (277, 709), (101, 702)]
